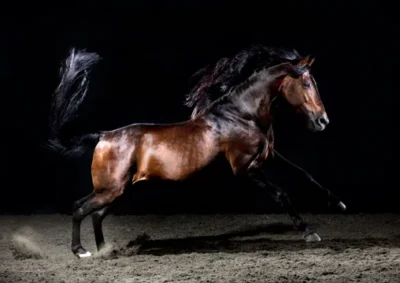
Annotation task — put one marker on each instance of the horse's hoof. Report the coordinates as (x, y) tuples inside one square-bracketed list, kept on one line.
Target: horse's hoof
[(312, 237), (342, 206), (81, 252)]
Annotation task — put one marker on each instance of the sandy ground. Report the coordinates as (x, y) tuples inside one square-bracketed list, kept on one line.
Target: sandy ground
[(213, 248)]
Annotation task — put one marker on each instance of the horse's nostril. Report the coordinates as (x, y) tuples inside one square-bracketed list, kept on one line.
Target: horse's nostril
[(323, 120)]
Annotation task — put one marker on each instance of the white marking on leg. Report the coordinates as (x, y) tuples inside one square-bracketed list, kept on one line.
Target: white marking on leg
[(313, 237), (87, 254), (342, 206)]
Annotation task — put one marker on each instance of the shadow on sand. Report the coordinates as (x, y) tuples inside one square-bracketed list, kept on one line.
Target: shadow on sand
[(248, 239)]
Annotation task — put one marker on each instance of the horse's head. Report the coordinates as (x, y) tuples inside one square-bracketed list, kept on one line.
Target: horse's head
[(300, 90)]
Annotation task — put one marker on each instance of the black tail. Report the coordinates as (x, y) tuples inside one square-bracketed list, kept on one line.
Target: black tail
[(66, 101)]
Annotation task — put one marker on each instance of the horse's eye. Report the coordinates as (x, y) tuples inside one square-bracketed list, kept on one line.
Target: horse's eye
[(306, 85)]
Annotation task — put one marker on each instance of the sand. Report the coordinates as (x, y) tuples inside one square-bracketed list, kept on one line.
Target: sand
[(203, 248)]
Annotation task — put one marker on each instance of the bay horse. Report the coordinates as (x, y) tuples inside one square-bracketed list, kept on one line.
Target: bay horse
[(233, 127), (215, 80)]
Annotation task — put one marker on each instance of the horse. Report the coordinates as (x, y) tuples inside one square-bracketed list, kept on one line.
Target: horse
[(234, 128), (215, 80)]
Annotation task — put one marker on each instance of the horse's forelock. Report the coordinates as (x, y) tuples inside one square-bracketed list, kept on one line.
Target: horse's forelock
[(298, 71)]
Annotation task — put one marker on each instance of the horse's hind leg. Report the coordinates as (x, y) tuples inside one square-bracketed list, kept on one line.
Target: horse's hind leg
[(77, 204), (95, 202), (97, 220), (99, 215), (81, 208), (281, 197)]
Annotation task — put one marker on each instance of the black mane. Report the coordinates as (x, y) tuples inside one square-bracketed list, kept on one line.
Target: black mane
[(214, 81)]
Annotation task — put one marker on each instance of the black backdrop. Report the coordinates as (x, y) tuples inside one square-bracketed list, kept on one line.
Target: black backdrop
[(150, 49)]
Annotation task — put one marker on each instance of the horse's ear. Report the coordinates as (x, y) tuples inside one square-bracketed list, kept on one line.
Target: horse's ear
[(311, 61), (303, 61)]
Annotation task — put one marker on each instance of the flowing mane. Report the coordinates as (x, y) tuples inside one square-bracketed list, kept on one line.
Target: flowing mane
[(217, 80)]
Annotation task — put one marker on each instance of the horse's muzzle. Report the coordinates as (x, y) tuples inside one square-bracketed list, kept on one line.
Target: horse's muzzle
[(319, 123)]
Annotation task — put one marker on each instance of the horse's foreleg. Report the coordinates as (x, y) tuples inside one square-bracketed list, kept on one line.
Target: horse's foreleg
[(300, 171), (281, 197)]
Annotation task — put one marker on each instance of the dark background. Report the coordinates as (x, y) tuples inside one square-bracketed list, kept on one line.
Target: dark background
[(151, 48)]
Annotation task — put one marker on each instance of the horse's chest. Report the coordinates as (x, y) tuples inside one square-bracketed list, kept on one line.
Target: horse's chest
[(247, 153)]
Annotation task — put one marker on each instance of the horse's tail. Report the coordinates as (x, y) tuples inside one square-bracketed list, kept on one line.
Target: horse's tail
[(66, 101)]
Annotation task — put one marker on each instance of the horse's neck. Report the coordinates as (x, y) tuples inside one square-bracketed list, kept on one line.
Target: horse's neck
[(255, 101), (248, 106)]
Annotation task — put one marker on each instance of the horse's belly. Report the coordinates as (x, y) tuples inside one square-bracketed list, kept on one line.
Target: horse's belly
[(174, 164)]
